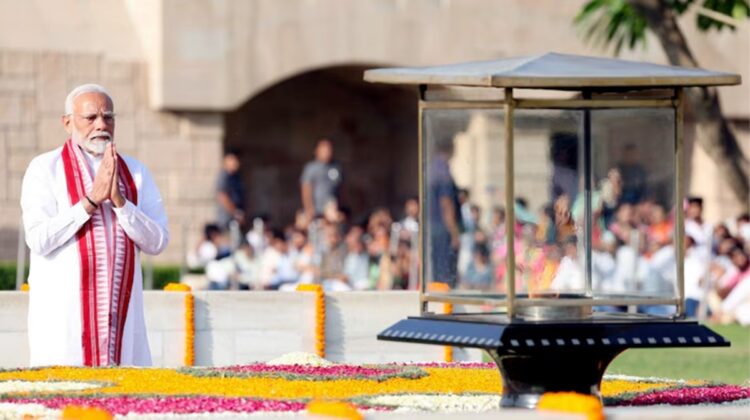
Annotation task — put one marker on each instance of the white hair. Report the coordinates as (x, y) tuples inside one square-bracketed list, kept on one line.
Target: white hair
[(80, 90)]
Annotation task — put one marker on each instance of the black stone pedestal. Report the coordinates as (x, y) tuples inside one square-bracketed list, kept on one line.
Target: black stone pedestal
[(535, 357), (528, 375)]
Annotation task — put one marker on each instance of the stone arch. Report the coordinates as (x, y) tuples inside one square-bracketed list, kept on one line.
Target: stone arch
[(373, 128)]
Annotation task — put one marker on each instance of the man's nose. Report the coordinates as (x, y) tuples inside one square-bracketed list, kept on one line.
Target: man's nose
[(101, 122)]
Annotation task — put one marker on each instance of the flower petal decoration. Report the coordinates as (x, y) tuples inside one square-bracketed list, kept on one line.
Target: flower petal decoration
[(288, 388)]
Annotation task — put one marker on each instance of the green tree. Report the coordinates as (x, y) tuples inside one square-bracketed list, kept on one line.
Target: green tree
[(621, 23)]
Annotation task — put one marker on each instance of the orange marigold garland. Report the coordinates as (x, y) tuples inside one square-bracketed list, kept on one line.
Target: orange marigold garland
[(339, 410), (447, 309), (75, 412), (320, 316), (571, 402), (177, 287), (189, 320), (189, 330), (25, 287)]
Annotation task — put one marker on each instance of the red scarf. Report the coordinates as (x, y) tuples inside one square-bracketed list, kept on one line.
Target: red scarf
[(102, 327)]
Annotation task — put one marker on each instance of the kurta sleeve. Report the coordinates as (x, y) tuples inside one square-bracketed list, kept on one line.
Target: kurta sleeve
[(46, 226), (146, 224)]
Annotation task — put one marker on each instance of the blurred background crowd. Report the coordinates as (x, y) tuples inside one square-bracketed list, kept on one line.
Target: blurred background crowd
[(632, 243)]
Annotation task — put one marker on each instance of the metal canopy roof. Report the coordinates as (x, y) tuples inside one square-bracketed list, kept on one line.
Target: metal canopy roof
[(556, 71)]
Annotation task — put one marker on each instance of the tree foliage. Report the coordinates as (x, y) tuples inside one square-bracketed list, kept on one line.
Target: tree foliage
[(617, 23)]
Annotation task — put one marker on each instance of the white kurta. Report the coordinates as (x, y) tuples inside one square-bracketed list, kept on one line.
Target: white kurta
[(50, 223)]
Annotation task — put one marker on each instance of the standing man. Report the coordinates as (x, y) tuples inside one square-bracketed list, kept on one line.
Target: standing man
[(321, 180), (444, 216), (230, 192), (87, 214), (230, 196)]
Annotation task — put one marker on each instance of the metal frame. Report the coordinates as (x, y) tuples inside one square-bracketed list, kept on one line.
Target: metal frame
[(679, 226), (509, 104), (422, 207), (588, 174), (525, 302), (510, 211)]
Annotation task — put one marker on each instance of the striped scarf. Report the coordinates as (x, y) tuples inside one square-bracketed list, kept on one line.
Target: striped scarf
[(103, 262)]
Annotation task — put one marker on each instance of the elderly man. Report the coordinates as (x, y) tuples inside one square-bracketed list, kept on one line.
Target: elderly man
[(87, 212)]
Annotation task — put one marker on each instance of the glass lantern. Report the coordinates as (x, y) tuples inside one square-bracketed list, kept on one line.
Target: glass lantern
[(569, 248)]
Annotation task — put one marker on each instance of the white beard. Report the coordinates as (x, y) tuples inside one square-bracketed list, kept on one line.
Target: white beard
[(94, 146)]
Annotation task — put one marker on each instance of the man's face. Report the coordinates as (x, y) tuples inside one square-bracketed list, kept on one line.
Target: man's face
[(694, 211), (280, 245), (739, 259), (92, 124), (298, 240), (324, 151), (412, 208), (231, 163), (333, 237)]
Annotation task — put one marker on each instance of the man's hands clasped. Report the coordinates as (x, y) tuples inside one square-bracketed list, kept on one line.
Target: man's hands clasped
[(106, 182)]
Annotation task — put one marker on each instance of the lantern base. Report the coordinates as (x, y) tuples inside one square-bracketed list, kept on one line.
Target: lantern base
[(528, 375), (535, 357)]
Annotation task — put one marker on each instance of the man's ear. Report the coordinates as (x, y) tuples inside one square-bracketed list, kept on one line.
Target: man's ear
[(67, 123)]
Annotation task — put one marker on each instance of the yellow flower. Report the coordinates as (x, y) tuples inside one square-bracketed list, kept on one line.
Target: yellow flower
[(339, 410), (189, 320), (571, 402), (160, 381), (177, 287), (189, 330), (611, 388), (309, 288), (130, 381), (25, 287), (74, 412), (320, 316)]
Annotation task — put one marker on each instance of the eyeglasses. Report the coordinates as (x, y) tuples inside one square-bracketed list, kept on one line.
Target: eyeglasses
[(108, 117)]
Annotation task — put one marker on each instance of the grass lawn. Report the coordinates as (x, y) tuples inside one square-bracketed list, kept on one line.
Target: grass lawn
[(722, 364)]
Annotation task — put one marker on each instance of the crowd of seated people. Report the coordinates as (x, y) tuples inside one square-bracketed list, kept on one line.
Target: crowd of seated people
[(632, 252), (376, 253)]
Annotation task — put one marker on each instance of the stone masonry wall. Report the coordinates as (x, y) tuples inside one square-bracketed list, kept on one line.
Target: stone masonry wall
[(182, 150)]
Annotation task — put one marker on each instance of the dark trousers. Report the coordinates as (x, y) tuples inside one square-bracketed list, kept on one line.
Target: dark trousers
[(444, 259)]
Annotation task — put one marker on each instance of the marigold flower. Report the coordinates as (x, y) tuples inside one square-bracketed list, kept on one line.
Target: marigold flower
[(338, 410), (320, 316), (571, 402), (177, 287), (74, 412), (189, 320)]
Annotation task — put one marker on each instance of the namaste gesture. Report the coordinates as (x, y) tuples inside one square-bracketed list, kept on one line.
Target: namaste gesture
[(107, 182)]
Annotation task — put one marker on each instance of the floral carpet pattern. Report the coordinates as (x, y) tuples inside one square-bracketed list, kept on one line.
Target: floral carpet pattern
[(288, 388)]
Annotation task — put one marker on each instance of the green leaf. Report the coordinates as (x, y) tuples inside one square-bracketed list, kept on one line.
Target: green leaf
[(740, 11), (612, 23)]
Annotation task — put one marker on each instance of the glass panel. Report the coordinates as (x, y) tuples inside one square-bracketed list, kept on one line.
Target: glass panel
[(549, 203), (634, 202), (608, 233), (464, 205)]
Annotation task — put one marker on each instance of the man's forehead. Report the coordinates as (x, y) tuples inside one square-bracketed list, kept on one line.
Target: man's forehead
[(93, 102)]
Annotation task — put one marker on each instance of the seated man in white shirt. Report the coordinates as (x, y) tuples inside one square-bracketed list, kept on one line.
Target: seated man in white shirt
[(87, 214)]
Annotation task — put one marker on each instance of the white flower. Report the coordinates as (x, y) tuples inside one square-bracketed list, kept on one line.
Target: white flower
[(210, 416), (436, 402), (643, 379), (41, 386), (10, 411), (300, 358)]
